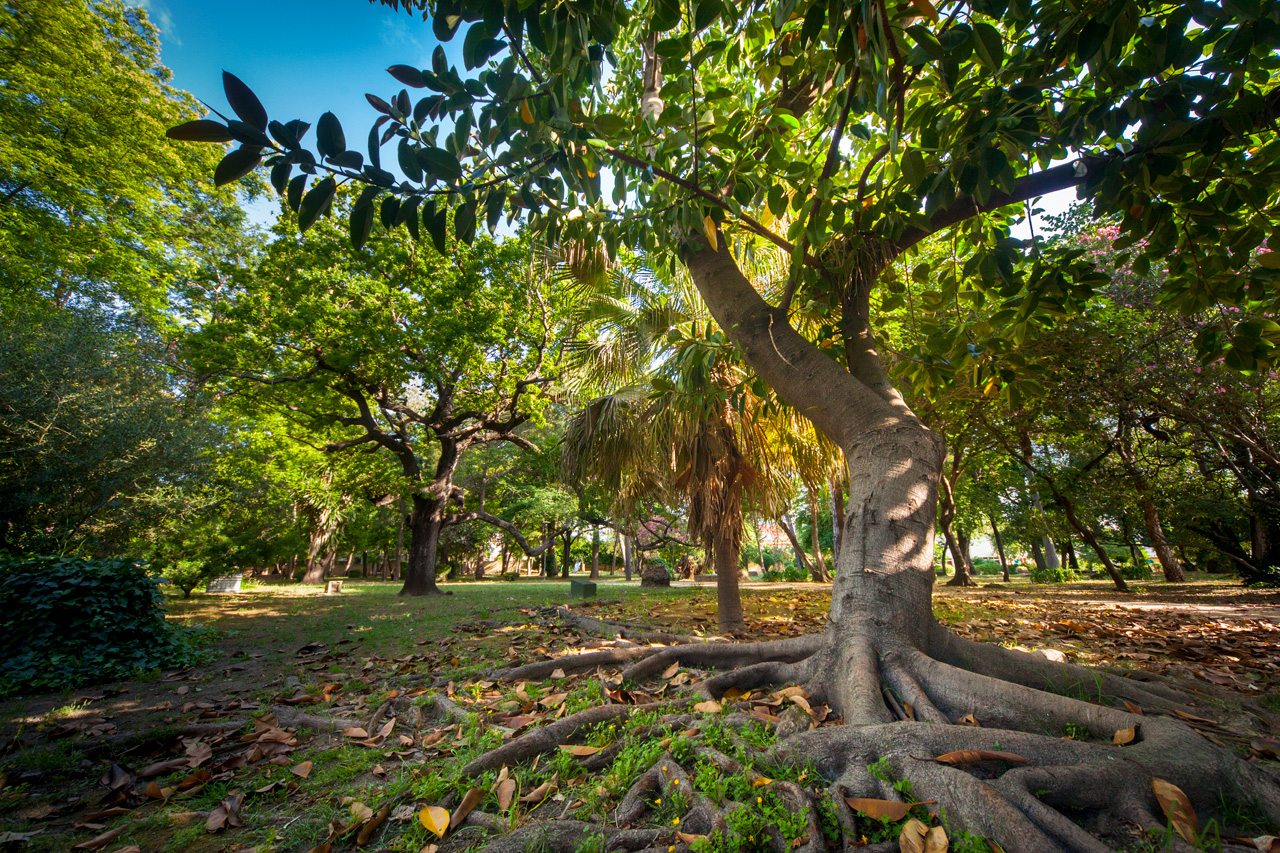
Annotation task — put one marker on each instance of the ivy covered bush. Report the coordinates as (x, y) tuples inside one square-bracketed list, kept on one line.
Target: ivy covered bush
[(66, 621)]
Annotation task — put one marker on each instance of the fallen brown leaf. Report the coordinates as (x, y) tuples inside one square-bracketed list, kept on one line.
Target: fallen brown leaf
[(469, 802), (506, 790), (539, 793), (880, 809), (1123, 736), (372, 825), (975, 756), (102, 840), (302, 770), (911, 838), (1177, 808)]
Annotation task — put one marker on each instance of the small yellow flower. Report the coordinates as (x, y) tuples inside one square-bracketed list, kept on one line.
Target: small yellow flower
[(675, 781), (671, 849), (675, 822), (759, 800), (658, 801)]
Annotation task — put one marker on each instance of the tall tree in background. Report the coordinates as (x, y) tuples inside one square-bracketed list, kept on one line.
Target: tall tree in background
[(847, 133), (391, 349), (96, 208)]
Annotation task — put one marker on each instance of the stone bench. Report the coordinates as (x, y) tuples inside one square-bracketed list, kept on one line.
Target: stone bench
[(226, 583), (582, 589)]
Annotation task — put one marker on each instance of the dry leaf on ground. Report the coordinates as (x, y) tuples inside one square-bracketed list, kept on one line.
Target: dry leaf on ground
[(1177, 808), (879, 809), (469, 802), (435, 819), (975, 756)]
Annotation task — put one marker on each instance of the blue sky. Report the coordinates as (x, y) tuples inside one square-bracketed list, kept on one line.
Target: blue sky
[(300, 58)]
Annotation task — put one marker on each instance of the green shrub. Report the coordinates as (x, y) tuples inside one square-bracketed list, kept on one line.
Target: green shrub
[(986, 566), (66, 621), (299, 574), (1062, 574), (784, 572), (355, 573), (1140, 572), (186, 575)]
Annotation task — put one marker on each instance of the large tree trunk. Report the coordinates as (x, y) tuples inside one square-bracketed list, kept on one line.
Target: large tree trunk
[(566, 560), (882, 661), (425, 524)]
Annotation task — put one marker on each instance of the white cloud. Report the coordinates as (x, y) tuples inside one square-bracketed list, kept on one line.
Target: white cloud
[(158, 11)]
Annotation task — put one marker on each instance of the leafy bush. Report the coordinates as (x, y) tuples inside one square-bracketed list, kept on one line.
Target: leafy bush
[(789, 573), (986, 566), (186, 575), (1140, 572), (67, 621), (771, 557), (355, 573), (1062, 574)]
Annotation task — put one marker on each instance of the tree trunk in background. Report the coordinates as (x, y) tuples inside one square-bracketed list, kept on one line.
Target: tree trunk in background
[(324, 525), (595, 553), (424, 548), (351, 561), (1086, 534), (1070, 552), (995, 533), (946, 519), (728, 597), (943, 572), (565, 561), (1169, 564), (802, 559), (400, 542), (1037, 554), (815, 540), (627, 555), (1150, 514), (837, 518), (1050, 553)]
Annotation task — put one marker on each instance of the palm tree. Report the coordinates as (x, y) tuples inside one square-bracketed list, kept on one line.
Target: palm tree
[(675, 414)]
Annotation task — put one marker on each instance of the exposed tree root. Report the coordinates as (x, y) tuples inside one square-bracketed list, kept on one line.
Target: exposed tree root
[(571, 836), (899, 700), (724, 655), (628, 631), (570, 664), (547, 738)]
